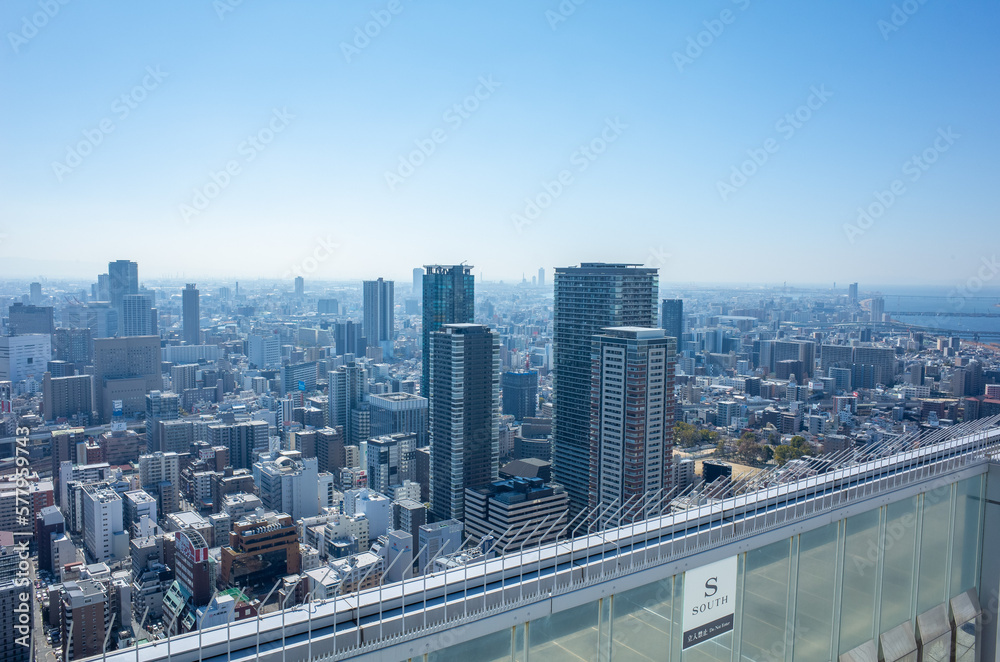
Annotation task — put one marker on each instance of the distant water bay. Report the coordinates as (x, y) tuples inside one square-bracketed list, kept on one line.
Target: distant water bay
[(940, 308)]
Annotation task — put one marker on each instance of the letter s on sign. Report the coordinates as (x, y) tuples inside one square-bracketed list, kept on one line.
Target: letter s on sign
[(711, 585)]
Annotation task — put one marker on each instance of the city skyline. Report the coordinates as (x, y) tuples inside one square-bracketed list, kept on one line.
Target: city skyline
[(499, 330), (640, 120)]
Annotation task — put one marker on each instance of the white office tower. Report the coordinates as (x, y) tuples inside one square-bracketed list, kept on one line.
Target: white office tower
[(23, 360), (264, 351), (103, 525), (377, 508), (137, 316), (287, 483)]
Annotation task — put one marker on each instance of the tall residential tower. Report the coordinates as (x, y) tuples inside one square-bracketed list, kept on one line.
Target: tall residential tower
[(465, 421), (588, 299), (379, 314), (631, 418), (192, 313)]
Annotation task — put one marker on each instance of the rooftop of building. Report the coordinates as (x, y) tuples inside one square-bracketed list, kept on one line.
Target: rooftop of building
[(240, 497), (362, 560), (187, 518), (263, 518), (81, 591), (444, 268), (603, 265), (518, 490), (463, 327), (101, 492), (638, 332), (235, 594), (398, 396), (139, 496), (527, 468)]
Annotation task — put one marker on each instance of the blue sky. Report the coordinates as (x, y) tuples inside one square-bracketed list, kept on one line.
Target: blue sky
[(333, 113)]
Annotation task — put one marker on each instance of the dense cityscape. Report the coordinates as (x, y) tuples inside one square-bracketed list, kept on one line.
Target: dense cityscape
[(182, 457), (499, 331)]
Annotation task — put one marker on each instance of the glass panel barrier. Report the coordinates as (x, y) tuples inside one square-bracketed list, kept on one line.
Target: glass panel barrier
[(566, 636), (898, 561), (491, 648), (968, 534), (857, 606), (935, 536), (815, 594), (764, 610), (641, 623)]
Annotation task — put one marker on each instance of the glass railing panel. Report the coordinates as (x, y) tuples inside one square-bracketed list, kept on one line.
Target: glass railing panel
[(857, 607), (641, 623)]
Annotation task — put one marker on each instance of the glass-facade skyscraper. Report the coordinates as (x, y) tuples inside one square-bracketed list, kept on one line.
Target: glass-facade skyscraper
[(379, 313), (520, 393), (672, 319), (449, 298), (192, 313), (588, 299), (123, 279), (464, 420)]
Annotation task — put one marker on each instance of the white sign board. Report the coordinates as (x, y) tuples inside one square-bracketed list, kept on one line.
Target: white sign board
[(709, 601)]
